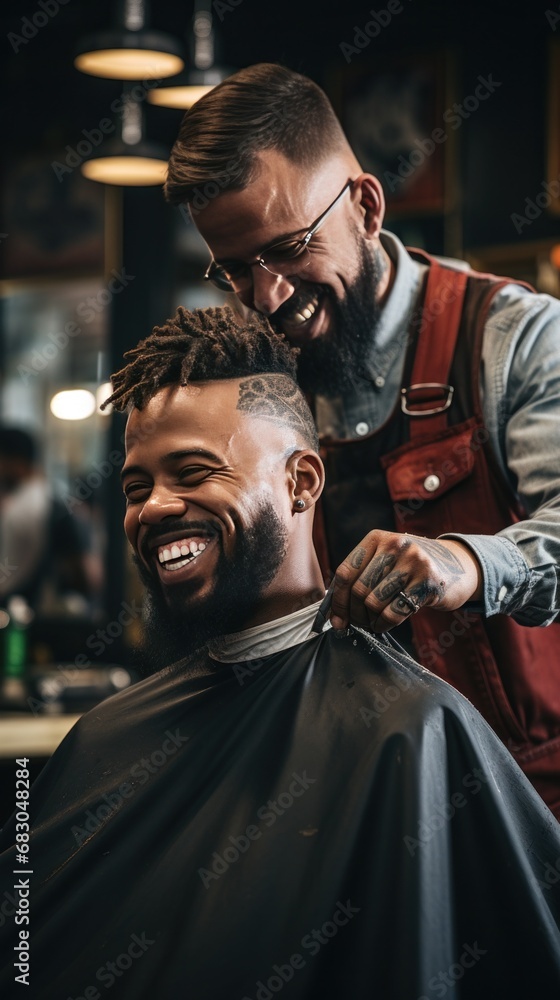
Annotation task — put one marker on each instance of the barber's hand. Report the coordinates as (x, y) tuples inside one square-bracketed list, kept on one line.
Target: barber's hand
[(389, 576)]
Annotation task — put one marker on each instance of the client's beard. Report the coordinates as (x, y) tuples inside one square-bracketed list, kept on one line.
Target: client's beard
[(333, 364), (173, 634)]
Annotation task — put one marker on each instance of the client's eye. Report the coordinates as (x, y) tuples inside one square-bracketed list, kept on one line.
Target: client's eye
[(136, 491), (194, 473)]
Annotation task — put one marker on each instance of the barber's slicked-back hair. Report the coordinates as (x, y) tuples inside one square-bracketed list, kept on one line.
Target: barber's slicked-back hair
[(208, 345), (262, 107)]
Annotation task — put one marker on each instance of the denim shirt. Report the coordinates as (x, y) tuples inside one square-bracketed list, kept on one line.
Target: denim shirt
[(520, 394)]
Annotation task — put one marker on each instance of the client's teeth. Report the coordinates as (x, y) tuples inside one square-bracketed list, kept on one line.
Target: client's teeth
[(307, 313), (184, 551), (178, 565)]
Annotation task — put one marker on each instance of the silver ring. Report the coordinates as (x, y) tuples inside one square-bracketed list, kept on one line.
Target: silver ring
[(409, 601)]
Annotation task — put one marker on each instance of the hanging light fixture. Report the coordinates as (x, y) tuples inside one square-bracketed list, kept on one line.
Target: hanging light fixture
[(130, 161), (132, 51), (184, 90)]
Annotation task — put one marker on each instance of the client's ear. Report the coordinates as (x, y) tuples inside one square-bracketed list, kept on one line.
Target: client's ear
[(306, 477)]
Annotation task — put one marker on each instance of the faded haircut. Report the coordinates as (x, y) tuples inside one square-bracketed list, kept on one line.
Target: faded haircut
[(208, 345), (259, 108)]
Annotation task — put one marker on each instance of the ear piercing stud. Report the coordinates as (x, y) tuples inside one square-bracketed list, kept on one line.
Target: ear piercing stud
[(299, 504)]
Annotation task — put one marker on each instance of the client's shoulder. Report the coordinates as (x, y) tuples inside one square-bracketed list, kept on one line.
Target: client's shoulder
[(392, 688)]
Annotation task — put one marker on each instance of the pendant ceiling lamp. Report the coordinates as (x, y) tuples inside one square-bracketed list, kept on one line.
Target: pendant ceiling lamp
[(131, 160), (184, 90), (132, 51)]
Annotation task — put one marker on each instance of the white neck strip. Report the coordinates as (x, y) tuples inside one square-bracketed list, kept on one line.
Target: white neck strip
[(263, 640)]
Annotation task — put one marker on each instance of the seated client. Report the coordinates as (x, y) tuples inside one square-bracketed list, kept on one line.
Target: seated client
[(276, 806)]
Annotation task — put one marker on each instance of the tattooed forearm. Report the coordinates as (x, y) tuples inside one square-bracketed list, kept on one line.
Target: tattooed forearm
[(377, 569)]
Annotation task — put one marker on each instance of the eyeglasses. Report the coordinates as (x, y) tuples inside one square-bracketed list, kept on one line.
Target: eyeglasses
[(278, 258)]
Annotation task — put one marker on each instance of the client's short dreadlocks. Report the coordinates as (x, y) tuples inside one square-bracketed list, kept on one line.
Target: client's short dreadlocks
[(199, 346), (204, 345)]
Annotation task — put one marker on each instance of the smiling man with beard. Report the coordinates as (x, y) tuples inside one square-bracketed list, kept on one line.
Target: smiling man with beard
[(436, 394), (286, 805), (178, 621)]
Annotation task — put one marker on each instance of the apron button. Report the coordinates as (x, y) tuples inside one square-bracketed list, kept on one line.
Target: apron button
[(432, 483)]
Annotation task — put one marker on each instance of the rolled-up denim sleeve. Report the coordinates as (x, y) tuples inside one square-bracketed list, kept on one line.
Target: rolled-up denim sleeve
[(520, 390)]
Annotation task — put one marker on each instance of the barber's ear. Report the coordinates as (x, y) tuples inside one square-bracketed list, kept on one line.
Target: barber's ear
[(368, 192), (306, 476)]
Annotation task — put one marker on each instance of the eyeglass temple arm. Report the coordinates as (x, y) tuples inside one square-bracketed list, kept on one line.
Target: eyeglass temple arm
[(322, 218)]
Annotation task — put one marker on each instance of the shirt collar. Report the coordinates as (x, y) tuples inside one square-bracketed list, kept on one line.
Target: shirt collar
[(400, 303), (263, 640)]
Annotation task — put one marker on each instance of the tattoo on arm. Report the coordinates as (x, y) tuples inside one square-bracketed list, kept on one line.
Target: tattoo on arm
[(377, 569)]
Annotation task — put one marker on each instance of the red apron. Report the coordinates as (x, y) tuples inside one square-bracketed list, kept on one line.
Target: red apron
[(440, 475)]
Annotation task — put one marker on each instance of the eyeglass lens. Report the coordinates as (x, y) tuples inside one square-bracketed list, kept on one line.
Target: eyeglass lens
[(283, 259)]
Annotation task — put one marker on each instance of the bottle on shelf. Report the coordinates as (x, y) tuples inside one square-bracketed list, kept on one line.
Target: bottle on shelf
[(15, 619)]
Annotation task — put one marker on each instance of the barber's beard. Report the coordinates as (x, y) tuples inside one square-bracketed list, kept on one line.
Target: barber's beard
[(173, 634), (336, 362)]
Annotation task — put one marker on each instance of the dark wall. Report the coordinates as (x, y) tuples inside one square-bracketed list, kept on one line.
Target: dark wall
[(501, 147)]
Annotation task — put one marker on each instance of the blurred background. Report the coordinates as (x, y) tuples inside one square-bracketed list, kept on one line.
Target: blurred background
[(456, 108)]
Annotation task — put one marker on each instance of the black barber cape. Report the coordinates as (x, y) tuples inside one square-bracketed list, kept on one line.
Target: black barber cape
[(331, 821)]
